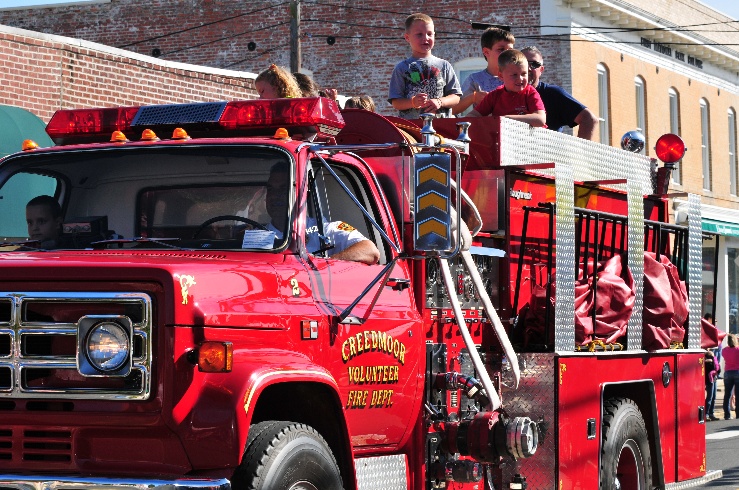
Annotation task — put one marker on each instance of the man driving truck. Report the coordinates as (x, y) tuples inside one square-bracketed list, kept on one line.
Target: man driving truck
[(348, 243)]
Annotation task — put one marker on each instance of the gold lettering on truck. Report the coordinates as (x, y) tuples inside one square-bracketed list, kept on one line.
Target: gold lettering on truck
[(367, 374), (372, 341)]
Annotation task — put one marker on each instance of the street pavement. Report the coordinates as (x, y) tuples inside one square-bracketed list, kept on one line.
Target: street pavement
[(722, 446)]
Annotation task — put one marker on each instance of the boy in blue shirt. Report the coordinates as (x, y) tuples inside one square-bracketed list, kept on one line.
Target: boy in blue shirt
[(423, 82), (476, 86)]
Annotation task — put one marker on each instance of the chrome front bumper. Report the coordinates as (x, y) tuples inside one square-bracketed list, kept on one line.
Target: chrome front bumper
[(25, 482)]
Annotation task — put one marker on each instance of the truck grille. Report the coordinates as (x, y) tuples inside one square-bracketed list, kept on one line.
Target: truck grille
[(38, 346), (36, 445)]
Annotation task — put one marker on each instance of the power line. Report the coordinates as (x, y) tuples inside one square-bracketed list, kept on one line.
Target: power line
[(201, 25), (445, 35), (381, 10), (554, 37), (224, 38), (351, 7), (609, 30), (256, 56)]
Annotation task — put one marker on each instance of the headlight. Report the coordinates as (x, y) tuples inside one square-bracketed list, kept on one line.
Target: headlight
[(107, 346)]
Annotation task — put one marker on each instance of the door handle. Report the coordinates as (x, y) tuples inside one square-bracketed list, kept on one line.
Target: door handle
[(398, 284)]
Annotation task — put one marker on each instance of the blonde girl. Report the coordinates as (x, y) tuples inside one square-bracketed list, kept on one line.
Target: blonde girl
[(276, 83)]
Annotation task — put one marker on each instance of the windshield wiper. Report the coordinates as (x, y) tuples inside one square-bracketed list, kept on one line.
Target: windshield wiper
[(139, 239)]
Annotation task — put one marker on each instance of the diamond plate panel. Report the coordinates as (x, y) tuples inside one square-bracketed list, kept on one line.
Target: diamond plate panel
[(535, 398), (635, 200), (576, 159), (520, 144), (381, 473), (564, 306), (695, 263)]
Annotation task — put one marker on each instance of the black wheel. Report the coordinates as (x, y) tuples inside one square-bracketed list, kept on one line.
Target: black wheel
[(227, 217), (625, 459), (284, 455)]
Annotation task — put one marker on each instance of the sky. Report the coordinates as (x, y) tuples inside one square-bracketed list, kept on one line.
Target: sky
[(728, 7)]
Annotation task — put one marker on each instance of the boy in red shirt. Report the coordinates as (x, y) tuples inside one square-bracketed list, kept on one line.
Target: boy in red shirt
[(515, 99)]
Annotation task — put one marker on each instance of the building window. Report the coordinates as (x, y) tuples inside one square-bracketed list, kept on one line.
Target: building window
[(732, 151), (641, 109), (677, 174), (467, 67), (705, 144), (603, 97)]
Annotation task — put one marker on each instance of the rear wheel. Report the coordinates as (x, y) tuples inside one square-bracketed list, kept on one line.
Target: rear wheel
[(625, 460), (283, 455)]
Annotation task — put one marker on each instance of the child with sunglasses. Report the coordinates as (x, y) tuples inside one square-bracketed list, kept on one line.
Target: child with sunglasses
[(561, 107)]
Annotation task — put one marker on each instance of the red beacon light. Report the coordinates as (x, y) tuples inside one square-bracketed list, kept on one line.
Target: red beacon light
[(89, 125), (670, 148), (316, 115)]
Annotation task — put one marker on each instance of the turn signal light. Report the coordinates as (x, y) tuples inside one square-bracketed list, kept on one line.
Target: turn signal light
[(281, 134), (215, 357), (149, 135), (180, 134), (29, 145), (118, 137)]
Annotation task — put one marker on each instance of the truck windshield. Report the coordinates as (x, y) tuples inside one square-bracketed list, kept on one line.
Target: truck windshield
[(192, 197)]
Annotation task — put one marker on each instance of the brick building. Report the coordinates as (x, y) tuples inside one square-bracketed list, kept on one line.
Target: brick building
[(659, 66)]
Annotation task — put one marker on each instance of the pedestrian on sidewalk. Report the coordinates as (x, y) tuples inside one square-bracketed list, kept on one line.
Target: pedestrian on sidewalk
[(712, 369), (731, 372)]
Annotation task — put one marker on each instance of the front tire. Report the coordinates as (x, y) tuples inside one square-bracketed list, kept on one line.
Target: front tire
[(283, 455), (625, 460)]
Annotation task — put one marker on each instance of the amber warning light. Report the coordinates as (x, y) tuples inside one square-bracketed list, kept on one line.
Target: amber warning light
[(309, 116), (670, 148)]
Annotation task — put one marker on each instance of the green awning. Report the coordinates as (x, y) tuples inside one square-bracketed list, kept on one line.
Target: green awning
[(720, 227), (18, 124)]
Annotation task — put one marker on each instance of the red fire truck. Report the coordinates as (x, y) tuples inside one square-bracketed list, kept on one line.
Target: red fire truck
[(192, 323)]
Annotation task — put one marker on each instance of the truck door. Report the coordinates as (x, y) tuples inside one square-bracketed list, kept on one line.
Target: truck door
[(375, 353)]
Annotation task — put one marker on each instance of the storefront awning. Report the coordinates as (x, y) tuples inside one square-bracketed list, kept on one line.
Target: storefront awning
[(720, 227), (18, 124)]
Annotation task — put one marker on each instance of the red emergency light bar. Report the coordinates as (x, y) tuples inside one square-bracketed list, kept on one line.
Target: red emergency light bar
[(309, 116), (89, 124)]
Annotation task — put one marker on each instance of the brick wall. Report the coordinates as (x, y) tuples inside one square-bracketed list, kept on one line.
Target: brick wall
[(43, 73), (369, 35)]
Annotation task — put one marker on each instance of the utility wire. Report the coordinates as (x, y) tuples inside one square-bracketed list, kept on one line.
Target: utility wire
[(451, 34), (256, 56), (351, 7), (201, 25), (608, 30), (226, 37)]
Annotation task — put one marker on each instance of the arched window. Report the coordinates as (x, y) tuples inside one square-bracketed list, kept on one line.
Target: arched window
[(641, 108), (674, 96), (603, 105), (465, 68), (732, 151), (705, 144)]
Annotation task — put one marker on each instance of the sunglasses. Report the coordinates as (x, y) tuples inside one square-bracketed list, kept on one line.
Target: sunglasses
[(535, 64)]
